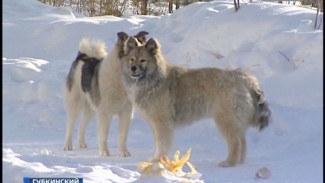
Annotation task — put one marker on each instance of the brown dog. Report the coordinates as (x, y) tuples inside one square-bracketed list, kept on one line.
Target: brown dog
[(169, 96)]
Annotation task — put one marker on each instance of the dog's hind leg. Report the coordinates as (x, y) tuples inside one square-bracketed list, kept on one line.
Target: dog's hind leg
[(125, 117), (104, 118), (233, 150), (229, 130), (242, 148), (88, 113), (72, 109)]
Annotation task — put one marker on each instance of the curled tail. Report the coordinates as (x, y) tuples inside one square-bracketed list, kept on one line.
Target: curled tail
[(91, 53), (262, 116), (92, 49)]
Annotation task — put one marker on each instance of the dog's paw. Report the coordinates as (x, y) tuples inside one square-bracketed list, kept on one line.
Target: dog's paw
[(125, 153), (67, 147), (82, 145), (226, 164), (104, 153)]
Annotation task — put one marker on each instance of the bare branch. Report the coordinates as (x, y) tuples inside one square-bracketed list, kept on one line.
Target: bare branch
[(284, 56)]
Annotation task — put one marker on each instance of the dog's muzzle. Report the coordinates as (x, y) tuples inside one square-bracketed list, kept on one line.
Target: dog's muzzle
[(136, 72)]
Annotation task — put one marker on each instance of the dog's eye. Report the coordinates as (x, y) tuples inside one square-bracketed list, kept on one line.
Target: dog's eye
[(132, 59), (142, 60)]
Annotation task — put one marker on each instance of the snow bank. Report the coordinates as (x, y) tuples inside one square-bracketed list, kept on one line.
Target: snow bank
[(275, 42)]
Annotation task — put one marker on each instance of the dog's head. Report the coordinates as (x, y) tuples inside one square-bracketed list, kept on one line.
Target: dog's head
[(141, 61), (122, 38)]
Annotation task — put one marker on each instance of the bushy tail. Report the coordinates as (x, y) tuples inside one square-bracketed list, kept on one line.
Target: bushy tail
[(92, 49), (262, 113), (262, 116), (88, 51)]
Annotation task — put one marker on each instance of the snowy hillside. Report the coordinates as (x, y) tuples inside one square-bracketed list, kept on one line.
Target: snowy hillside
[(277, 43)]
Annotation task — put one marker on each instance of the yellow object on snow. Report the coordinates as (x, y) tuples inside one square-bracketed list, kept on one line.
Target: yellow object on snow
[(174, 166)]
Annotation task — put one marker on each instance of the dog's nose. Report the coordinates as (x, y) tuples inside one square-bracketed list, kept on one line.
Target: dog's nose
[(133, 68)]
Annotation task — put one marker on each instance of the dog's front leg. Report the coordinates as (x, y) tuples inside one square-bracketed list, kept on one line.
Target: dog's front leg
[(163, 135), (125, 117)]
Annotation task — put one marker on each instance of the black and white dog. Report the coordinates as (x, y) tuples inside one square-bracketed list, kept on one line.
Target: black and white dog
[(93, 86)]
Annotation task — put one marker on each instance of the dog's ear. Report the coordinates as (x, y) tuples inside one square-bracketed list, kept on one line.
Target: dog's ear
[(122, 36), (141, 36), (152, 45), (129, 44)]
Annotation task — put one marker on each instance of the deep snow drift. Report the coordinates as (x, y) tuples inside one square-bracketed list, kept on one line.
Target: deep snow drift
[(277, 43)]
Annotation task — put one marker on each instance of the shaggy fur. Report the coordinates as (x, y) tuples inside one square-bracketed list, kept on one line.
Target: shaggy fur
[(94, 86), (169, 96)]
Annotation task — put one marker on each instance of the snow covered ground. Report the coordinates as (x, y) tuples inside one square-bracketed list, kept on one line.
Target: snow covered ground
[(275, 42)]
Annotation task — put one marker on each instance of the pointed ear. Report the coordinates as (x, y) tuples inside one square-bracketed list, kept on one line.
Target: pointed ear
[(141, 36), (152, 45), (122, 36), (129, 44)]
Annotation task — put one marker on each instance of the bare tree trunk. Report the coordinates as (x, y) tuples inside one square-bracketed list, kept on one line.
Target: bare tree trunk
[(61, 3), (316, 18), (100, 7), (177, 4), (135, 3), (122, 7), (144, 9), (170, 6), (91, 7), (319, 4), (236, 5), (83, 7), (185, 2), (79, 6)]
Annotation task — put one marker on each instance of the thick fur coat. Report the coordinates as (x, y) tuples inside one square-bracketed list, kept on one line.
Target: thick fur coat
[(94, 86), (168, 96)]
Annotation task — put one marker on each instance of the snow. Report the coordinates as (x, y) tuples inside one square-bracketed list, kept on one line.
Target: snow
[(275, 42)]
